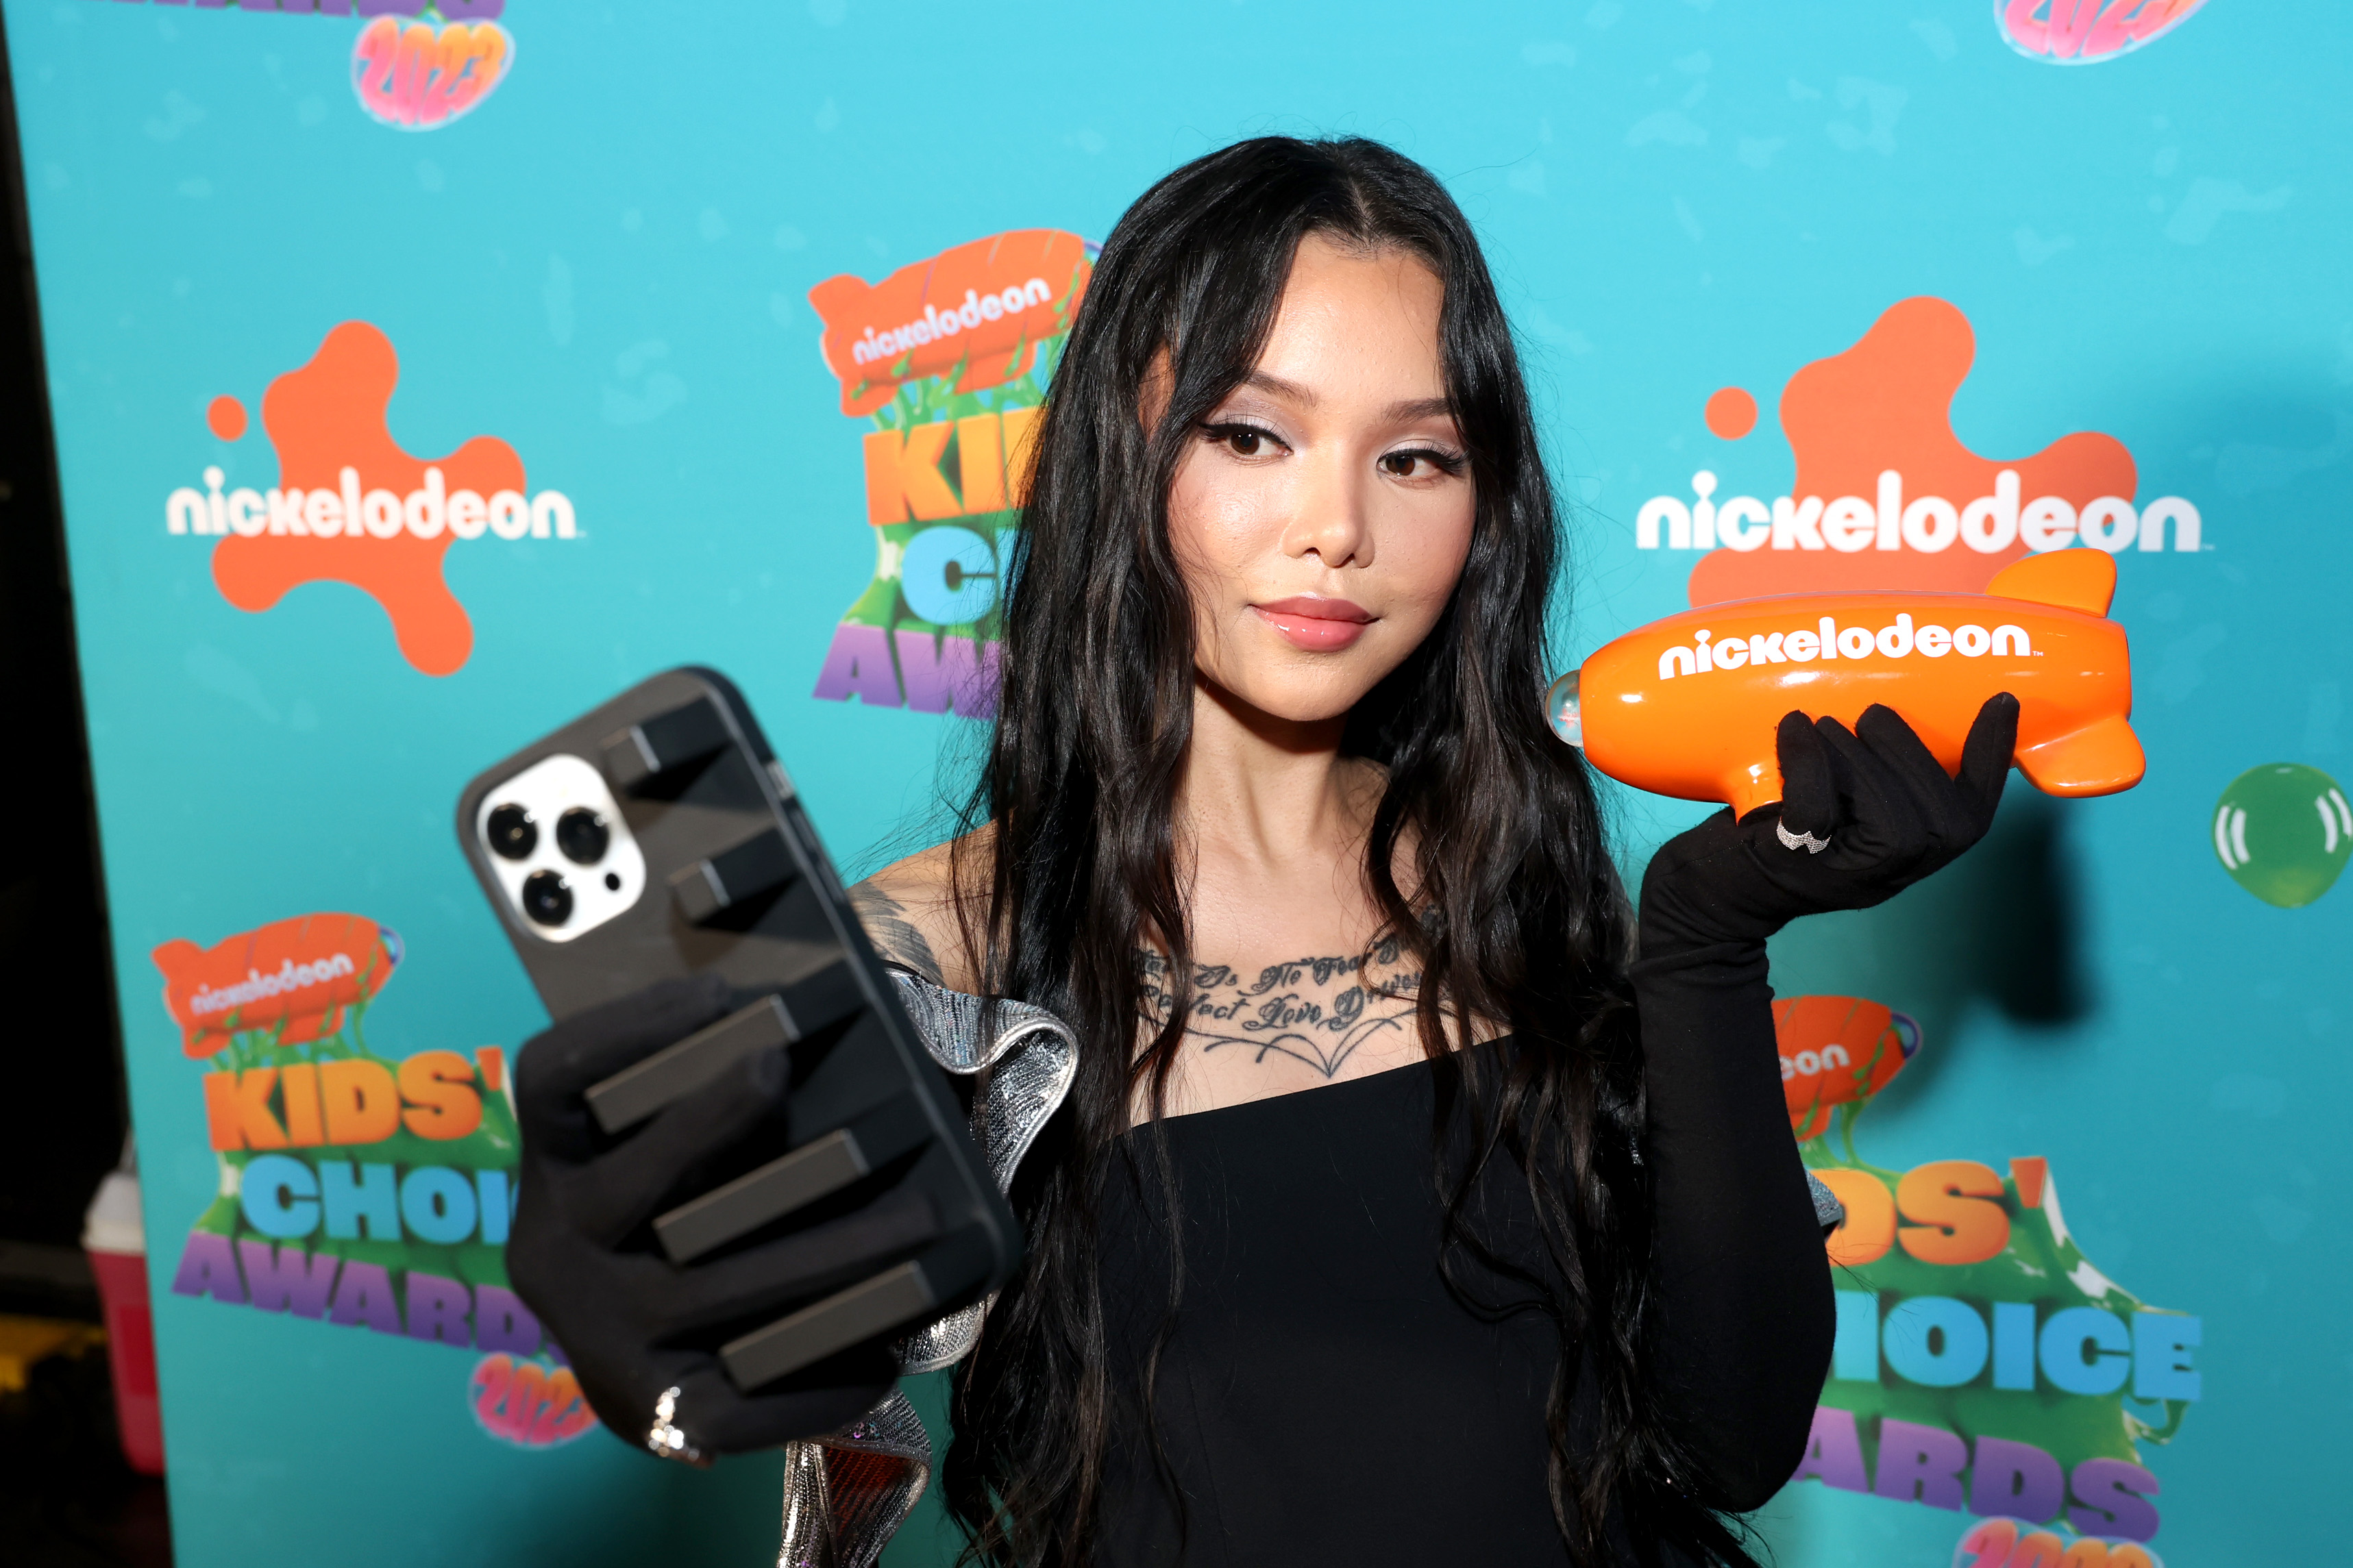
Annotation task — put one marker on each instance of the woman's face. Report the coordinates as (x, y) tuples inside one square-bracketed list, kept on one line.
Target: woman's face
[(1322, 513)]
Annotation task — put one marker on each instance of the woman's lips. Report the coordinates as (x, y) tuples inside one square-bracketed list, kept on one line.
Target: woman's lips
[(1318, 625)]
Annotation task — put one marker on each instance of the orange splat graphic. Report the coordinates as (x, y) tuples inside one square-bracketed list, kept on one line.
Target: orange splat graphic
[(1886, 402), (327, 417), (1731, 412)]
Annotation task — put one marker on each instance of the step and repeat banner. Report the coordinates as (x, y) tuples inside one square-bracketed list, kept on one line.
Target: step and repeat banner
[(424, 374)]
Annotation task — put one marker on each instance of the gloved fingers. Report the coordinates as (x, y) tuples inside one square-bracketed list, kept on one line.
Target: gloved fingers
[(719, 1418), (633, 1309), (656, 1166), (559, 1064), (1943, 815), (1882, 826), (1810, 802), (1987, 755), (1887, 732), (777, 1275)]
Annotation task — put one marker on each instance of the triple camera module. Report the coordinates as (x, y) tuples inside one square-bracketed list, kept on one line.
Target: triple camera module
[(561, 848)]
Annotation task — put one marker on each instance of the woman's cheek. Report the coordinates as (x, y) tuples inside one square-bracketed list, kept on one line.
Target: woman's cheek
[(1217, 529), (1431, 552), (1254, 506)]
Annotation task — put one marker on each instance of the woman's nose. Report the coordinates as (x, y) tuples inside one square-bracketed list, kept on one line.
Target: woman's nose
[(1329, 518)]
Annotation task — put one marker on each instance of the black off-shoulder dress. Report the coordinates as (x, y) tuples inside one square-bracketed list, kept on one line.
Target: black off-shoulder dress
[(1324, 1395)]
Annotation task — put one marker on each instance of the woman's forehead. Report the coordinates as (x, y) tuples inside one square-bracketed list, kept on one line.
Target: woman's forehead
[(1357, 325)]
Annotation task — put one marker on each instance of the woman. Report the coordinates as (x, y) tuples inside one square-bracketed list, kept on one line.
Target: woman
[(1409, 1204)]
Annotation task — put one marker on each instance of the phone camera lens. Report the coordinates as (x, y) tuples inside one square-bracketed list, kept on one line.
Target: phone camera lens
[(545, 899), (582, 834), (514, 833)]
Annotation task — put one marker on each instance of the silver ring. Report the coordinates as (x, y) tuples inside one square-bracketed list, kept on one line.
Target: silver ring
[(664, 1437), (1805, 841)]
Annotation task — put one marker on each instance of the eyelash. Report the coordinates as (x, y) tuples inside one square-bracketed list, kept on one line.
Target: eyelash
[(1448, 463), (1220, 433)]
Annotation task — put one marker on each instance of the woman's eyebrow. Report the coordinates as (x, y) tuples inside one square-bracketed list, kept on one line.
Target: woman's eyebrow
[(1290, 391), (1305, 397)]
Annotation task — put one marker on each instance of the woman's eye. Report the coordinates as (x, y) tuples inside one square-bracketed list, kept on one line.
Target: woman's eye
[(1244, 440), (1419, 463)]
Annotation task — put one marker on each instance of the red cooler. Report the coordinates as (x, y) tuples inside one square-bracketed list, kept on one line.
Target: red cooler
[(116, 1240)]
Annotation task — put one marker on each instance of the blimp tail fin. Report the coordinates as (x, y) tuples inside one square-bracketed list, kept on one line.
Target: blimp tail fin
[(838, 295), (2081, 580), (2102, 758), (174, 958)]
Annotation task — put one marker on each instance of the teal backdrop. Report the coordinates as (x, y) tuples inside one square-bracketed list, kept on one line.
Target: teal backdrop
[(587, 235)]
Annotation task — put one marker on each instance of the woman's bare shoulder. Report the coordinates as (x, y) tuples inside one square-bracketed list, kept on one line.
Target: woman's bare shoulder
[(910, 909)]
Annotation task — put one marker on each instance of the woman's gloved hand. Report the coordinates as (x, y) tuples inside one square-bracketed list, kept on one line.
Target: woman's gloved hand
[(634, 1325), (1865, 814)]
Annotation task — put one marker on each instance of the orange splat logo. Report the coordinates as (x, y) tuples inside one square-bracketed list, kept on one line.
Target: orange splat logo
[(300, 978), (976, 311), (1887, 497), (1837, 1050), (351, 506)]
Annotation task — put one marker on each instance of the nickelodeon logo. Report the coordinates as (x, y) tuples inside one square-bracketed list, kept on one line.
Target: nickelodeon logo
[(927, 351), (975, 314), (347, 511), (350, 505), (1885, 497), (300, 979), (872, 346), (1813, 1064), (1991, 524), (1898, 640)]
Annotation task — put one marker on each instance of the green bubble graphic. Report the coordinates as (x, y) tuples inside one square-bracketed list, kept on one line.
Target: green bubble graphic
[(2284, 831)]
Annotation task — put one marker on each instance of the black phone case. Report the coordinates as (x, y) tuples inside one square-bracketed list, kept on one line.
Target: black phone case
[(737, 884)]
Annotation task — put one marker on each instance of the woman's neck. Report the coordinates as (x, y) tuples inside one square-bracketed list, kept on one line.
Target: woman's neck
[(1271, 821)]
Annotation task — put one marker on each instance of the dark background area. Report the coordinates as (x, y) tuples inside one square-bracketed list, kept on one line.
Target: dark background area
[(53, 939), (66, 1496)]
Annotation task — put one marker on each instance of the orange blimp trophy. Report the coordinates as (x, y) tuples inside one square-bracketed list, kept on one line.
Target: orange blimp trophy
[(1688, 706)]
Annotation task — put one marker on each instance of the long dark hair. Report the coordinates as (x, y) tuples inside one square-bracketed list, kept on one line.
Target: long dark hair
[(1516, 916)]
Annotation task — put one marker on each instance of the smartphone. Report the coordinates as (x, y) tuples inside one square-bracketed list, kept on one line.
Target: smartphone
[(657, 836)]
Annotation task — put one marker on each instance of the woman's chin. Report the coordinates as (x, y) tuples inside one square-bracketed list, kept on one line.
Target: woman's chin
[(1322, 697)]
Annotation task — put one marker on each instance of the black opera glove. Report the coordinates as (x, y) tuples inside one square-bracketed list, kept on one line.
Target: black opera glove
[(640, 1331), (1890, 813)]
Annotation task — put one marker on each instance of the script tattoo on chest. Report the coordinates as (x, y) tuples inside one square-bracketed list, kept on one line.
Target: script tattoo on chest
[(1316, 1011)]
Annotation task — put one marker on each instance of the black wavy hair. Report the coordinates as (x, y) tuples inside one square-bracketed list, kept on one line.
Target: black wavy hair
[(1516, 914)]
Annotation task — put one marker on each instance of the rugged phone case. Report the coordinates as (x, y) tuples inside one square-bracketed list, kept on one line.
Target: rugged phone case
[(713, 867)]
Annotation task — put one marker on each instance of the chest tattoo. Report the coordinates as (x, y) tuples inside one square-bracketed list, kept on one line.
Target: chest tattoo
[(1314, 1011)]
